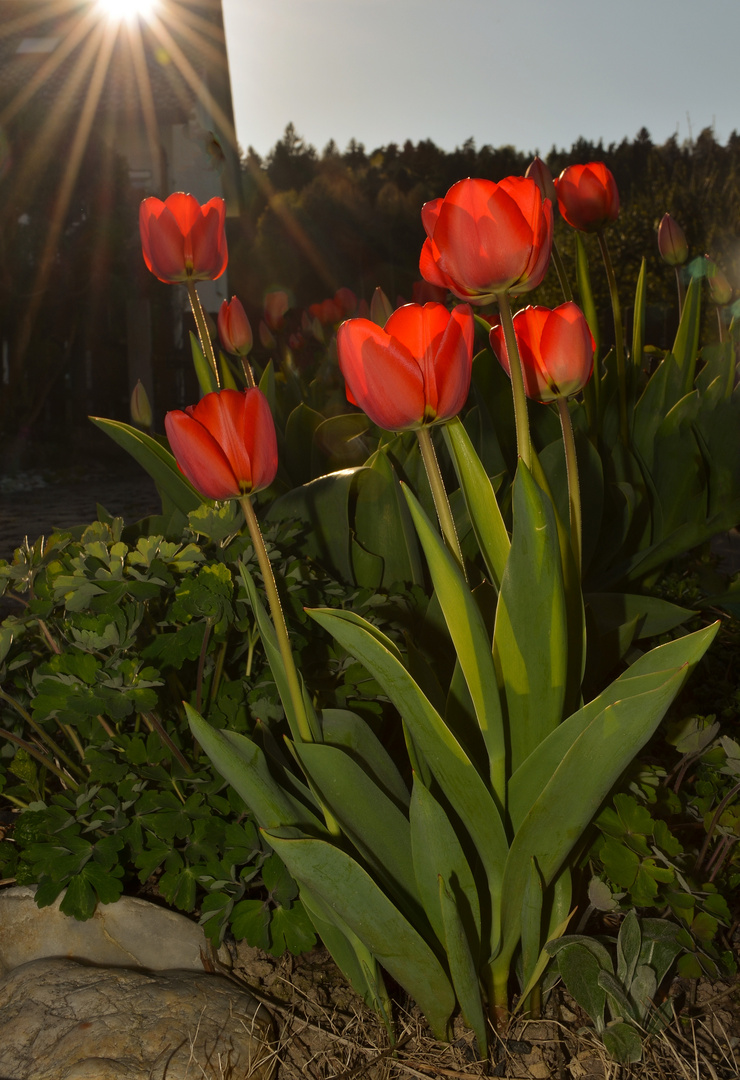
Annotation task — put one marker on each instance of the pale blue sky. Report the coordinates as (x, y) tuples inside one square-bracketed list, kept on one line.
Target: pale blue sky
[(531, 73)]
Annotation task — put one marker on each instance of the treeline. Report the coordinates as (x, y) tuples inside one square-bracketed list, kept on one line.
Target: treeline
[(313, 222)]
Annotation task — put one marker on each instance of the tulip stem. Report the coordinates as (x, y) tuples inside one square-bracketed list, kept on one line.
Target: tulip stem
[(561, 272), (681, 291), (574, 490), (248, 372), (521, 417), (200, 321), (721, 324), (439, 494), (618, 337), (304, 732)]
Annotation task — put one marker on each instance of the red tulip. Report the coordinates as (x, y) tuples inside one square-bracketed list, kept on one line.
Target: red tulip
[(543, 179), (672, 242), (414, 371), (587, 196), (720, 290), (233, 327), (556, 350), (226, 444), (182, 240), (276, 304), (486, 238)]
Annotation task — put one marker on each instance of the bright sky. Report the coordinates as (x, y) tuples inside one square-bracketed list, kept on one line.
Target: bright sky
[(531, 73)]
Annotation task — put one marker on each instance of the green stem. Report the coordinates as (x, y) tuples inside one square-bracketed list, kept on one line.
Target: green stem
[(44, 735), (66, 779), (560, 270), (521, 417), (200, 321), (681, 291), (574, 491), (720, 322), (441, 502), (248, 372), (618, 337), (304, 733)]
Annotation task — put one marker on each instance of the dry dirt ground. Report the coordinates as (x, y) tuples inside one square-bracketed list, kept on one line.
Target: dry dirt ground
[(325, 1031)]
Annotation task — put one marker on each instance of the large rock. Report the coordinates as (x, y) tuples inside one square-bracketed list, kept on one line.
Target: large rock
[(128, 933), (61, 1020)]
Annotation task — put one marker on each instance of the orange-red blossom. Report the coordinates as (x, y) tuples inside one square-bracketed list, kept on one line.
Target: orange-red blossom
[(181, 240), (556, 349)]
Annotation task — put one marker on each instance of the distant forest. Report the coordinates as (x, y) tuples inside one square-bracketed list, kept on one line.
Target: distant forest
[(313, 222)]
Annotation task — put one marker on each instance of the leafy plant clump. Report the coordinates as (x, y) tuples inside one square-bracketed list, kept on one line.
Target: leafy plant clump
[(114, 632)]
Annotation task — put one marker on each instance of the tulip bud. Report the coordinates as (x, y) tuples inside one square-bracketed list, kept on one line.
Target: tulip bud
[(141, 410), (266, 338), (347, 301), (233, 327), (276, 304), (380, 307), (720, 289), (542, 177), (672, 242)]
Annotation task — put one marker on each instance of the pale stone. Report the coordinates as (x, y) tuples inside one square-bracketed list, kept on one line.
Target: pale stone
[(127, 933), (60, 1020)]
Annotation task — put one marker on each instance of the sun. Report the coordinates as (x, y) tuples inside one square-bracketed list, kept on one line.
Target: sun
[(126, 9)]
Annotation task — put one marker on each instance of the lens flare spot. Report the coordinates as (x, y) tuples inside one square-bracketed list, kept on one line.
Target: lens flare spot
[(127, 9)]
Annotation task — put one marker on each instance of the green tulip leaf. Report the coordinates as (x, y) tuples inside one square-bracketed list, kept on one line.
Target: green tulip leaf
[(463, 968), (346, 729), (460, 781), (242, 763), (374, 824), (532, 901), (343, 886), (323, 505), (531, 634), (299, 434), (480, 499), (471, 641), (638, 319), (686, 345), (382, 523), (654, 616), (156, 460), (204, 373)]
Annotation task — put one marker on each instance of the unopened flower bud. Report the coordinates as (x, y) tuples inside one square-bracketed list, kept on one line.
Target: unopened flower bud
[(276, 304), (542, 177), (720, 289), (141, 410), (380, 307), (672, 242), (233, 327)]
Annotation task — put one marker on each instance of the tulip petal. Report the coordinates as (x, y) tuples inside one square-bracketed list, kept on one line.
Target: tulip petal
[(381, 374), (208, 241), (200, 457), (161, 241), (222, 414), (259, 437), (454, 362)]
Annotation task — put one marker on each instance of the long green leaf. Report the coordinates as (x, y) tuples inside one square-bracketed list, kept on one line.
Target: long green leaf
[(531, 634), (204, 373), (242, 763), (480, 499), (638, 320), (471, 641), (346, 729), (374, 824), (463, 969), (342, 884), (155, 459), (686, 345), (455, 773)]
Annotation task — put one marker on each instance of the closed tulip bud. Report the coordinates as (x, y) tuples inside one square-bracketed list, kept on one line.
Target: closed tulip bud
[(587, 196), (556, 349), (413, 372), (233, 328), (267, 339), (672, 242), (542, 177), (720, 289), (141, 410), (346, 300), (380, 307), (226, 444), (276, 304)]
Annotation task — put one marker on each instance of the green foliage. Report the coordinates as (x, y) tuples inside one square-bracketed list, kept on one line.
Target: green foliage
[(112, 635)]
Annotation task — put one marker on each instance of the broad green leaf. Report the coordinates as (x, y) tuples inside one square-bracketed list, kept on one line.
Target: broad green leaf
[(531, 921), (323, 506), (531, 637), (654, 616), (664, 388), (686, 345), (347, 730), (619, 1003), (463, 969), (480, 499), (629, 943), (638, 319), (457, 776), (343, 886), (382, 523), (155, 459), (436, 853), (623, 1043), (374, 824), (471, 641), (244, 766), (338, 442), (580, 972), (563, 809), (299, 434), (643, 677)]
